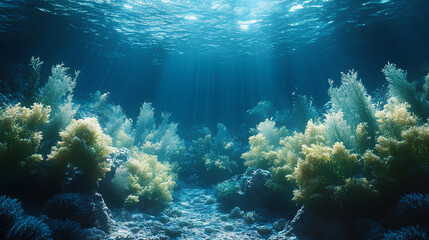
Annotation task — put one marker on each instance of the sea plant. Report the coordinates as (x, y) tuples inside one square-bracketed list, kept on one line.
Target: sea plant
[(143, 179), (85, 147), (353, 100), (20, 139), (329, 178), (215, 157)]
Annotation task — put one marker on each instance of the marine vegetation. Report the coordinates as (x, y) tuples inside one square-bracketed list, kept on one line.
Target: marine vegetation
[(143, 180), (361, 153), (214, 157), (83, 147), (354, 157), (20, 139)]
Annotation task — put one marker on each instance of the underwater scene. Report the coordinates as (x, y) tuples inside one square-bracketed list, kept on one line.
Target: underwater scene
[(214, 119)]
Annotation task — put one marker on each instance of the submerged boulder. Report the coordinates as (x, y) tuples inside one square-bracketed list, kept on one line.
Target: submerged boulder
[(411, 209), (89, 210), (249, 191)]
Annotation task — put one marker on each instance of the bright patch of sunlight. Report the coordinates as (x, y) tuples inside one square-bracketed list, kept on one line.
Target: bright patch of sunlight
[(296, 7), (244, 25), (190, 17)]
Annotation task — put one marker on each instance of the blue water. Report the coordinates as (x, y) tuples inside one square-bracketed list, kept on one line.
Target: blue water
[(209, 61)]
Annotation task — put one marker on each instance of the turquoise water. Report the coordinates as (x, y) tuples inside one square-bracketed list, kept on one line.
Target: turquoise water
[(216, 119)]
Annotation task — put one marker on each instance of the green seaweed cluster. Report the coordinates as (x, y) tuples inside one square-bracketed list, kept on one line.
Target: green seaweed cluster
[(358, 154), (20, 139), (215, 156), (143, 179), (54, 141)]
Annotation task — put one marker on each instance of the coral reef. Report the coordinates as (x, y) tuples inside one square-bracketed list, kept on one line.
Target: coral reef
[(15, 224)]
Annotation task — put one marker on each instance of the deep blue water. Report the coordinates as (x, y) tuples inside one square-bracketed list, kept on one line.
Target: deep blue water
[(210, 61)]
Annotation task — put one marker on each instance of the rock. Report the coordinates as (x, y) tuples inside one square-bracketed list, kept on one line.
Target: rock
[(173, 232), (184, 224), (279, 225), (250, 217), (254, 182), (94, 234), (411, 209), (89, 210), (135, 229), (209, 201), (310, 225), (208, 230), (164, 218), (224, 218), (173, 212), (229, 227), (264, 230), (77, 181), (116, 159), (250, 190), (410, 232), (236, 213)]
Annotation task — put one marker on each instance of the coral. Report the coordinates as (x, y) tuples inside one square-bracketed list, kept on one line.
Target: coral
[(58, 94), (99, 101), (410, 232), (144, 179), (15, 224), (83, 146), (227, 190), (65, 229), (171, 146), (10, 212), (20, 136), (29, 228), (112, 119), (414, 202), (330, 178)]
